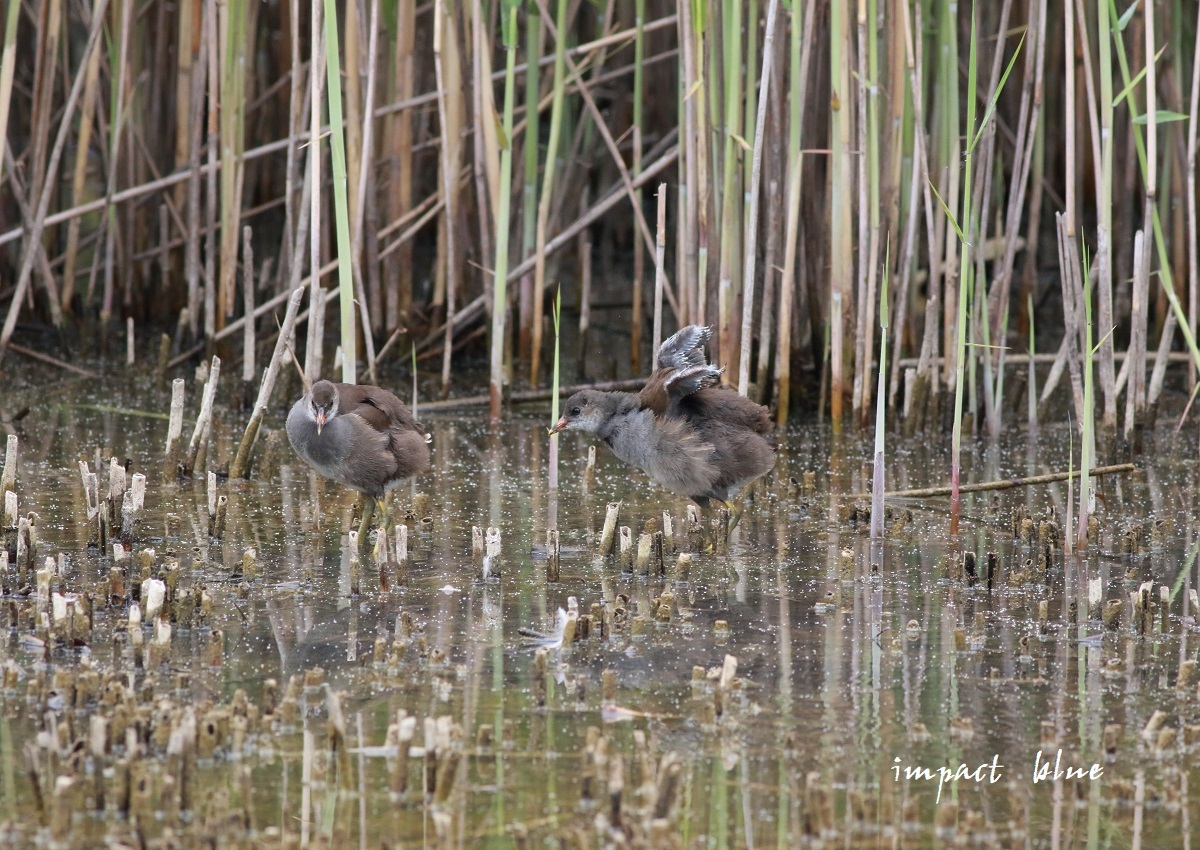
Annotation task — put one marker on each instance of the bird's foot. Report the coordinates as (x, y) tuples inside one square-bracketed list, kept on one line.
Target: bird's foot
[(364, 527), (736, 509)]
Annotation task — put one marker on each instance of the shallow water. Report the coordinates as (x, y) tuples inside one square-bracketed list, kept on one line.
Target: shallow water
[(774, 699)]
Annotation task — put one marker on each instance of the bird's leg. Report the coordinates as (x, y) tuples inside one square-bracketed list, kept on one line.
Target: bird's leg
[(385, 511), (364, 527), (736, 509)]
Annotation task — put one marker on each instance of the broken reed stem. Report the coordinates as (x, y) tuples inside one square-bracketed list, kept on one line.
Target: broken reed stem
[(608, 533), (589, 471), (241, 462), (8, 479), (1001, 484), (174, 428), (552, 555), (204, 420)]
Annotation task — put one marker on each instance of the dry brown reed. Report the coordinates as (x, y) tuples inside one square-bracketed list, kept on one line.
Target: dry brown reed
[(795, 158)]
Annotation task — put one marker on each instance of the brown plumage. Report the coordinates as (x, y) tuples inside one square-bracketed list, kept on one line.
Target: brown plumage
[(688, 433), (361, 436)]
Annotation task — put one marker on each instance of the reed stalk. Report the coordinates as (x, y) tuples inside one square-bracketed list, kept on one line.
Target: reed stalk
[(1104, 226), (1193, 218), (248, 335), (639, 254), (184, 68), (82, 146), (869, 175), (544, 201), (191, 256), (499, 284), (451, 120), (964, 292), (212, 138), (863, 334), (403, 68), (1135, 361), (353, 17), (800, 50), (698, 94), (1165, 276), (486, 159), (366, 145), (373, 321), (48, 185), (660, 271), (840, 204), (878, 484), (1031, 406), (731, 249), (1086, 496), (316, 325), (1029, 136), (235, 34), (341, 204), (926, 390), (751, 238), (750, 111), (529, 202), (241, 462), (117, 124), (553, 482)]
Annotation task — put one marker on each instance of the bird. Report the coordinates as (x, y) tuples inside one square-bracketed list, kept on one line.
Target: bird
[(688, 433), (360, 436)]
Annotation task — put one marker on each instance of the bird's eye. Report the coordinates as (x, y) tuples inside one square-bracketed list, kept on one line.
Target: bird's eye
[(575, 411)]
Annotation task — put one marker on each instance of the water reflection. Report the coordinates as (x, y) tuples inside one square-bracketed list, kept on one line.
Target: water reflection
[(804, 689)]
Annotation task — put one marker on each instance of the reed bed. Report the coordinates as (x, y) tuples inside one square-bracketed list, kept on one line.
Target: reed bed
[(472, 142)]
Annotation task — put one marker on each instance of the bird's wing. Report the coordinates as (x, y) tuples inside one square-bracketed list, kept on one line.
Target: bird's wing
[(381, 409), (684, 349), (685, 382)]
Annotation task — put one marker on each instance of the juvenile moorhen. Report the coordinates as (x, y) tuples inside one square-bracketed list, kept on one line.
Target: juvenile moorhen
[(361, 436), (689, 434)]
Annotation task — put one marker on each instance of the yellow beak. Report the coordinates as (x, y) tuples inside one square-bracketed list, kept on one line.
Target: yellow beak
[(560, 425), (320, 421)]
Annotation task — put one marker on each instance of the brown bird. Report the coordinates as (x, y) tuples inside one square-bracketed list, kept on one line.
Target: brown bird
[(359, 435), (689, 434)]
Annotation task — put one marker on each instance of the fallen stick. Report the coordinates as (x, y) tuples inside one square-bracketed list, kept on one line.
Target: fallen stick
[(1002, 484), (53, 361), (533, 395), (241, 462)]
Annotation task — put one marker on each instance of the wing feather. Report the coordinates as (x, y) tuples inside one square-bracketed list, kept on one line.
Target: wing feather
[(685, 348)]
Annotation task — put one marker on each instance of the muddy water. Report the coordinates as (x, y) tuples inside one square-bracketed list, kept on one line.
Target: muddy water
[(797, 689)]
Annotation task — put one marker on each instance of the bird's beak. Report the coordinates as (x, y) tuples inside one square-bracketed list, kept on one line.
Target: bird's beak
[(320, 421), (560, 425)]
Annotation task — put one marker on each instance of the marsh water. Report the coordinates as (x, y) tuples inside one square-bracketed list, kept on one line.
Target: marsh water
[(793, 688)]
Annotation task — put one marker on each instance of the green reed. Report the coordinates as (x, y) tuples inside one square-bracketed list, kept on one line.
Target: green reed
[(500, 270), (341, 207)]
